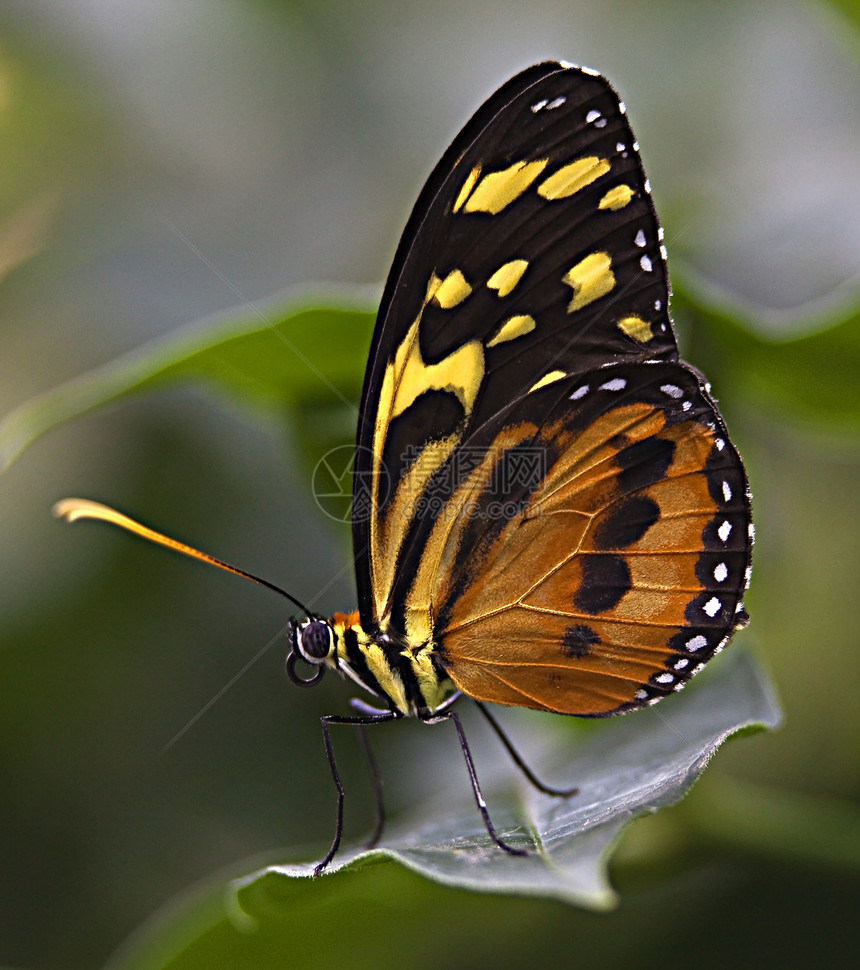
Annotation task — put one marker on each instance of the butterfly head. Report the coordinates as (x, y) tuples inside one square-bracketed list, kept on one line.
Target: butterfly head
[(312, 640)]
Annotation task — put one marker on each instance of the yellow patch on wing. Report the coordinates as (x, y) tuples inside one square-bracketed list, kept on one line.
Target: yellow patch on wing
[(496, 190), (468, 185), (406, 378), (571, 178), (512, 328), (590, 279), (460, 373), (616, 198), (388, 533), (636, 327), (507, 276), (550, 378), (433, 285), (452, 290)]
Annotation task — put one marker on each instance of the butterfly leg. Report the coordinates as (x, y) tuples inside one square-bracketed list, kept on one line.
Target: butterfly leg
[(361, 723), (359, 704), (376, 781), (476, 788), (517, 759)]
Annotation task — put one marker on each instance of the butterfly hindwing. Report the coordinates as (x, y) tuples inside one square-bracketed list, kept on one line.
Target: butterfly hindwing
[(533, 251), (601, 573)]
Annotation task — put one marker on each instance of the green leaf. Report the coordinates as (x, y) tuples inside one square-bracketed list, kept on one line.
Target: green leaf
[(810, 829), (305, 354), (849, 10), (629, 766), (292, 352), (809, 377), (625, 767)]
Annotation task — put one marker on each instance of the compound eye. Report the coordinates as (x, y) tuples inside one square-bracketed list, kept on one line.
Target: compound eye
[(315, 640)]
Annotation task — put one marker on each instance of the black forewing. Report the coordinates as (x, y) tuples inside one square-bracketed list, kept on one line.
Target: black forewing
[(546, 113)]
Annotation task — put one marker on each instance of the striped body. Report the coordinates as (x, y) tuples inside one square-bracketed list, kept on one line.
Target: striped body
[(408, 678)]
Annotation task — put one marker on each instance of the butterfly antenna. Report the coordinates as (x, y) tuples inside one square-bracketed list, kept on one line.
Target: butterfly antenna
[(72, 509)]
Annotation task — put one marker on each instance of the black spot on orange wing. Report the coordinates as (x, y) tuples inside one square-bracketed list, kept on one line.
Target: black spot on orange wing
[(605, 581), (578, 641), (620, 441), (627, 523), (644, 463)]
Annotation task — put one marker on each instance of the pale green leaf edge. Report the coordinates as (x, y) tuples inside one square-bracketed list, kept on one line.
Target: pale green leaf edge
[(161, 360), (572, 860), (776, 325), (138, 370)]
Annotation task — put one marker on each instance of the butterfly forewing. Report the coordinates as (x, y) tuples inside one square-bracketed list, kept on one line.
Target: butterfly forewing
[(519, 354)]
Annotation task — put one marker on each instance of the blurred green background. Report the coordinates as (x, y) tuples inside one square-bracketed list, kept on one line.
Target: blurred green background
[(163, 161)]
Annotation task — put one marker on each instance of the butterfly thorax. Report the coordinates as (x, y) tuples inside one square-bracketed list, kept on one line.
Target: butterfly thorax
[(407, 676)]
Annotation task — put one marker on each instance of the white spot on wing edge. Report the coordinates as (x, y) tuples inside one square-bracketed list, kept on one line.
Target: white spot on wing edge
[(616, 384), (712, 607)]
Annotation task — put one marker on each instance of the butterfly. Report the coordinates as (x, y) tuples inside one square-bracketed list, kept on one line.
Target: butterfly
[(547, 509)]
